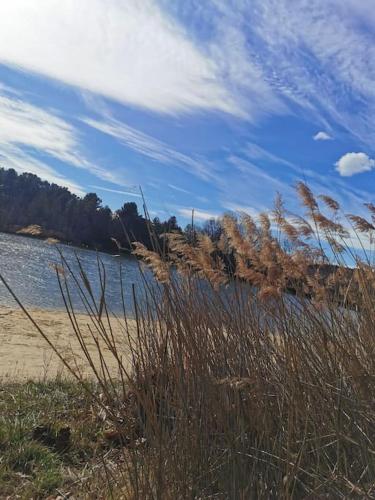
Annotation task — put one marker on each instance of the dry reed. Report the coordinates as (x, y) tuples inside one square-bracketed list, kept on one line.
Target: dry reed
[(253, 363)]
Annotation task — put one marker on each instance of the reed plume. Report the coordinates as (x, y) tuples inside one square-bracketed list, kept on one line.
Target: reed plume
[(253, 364)]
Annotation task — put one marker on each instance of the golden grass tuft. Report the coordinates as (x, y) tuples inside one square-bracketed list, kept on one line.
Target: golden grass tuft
[(32, 230)]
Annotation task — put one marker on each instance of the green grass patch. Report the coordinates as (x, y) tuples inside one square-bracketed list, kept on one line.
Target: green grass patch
[(49, 434)]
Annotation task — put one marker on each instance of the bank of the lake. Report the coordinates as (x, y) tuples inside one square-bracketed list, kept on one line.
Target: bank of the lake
[(25, 355)]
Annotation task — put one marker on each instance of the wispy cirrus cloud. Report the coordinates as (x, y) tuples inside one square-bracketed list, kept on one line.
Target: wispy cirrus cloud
[(116, 191), (255, 152), (199, 214), (25, 128), (31, 136), (179, 189), (12, 156), (132, 52), (249, 58), (24, 124), (140, 54), (258, 175), (319, 56), (250, 186), (252, 174), (247, 209), (149, 146)]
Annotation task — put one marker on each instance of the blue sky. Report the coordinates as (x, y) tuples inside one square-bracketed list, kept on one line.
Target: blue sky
[(212, 104)]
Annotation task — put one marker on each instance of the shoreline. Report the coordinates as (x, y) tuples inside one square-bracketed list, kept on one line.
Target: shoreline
[(26, 355), (69, 244)]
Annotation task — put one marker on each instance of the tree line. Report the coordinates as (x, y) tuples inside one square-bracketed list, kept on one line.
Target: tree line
[(26, 200)]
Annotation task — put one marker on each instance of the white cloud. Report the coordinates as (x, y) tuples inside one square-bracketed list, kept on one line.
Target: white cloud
[(354, 163), (199, 215), (130, 51), (322, 136)]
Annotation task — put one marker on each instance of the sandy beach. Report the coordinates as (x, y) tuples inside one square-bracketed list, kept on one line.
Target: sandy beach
[(25, 354)]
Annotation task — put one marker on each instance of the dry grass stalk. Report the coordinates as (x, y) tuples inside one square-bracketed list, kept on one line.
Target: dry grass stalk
[(242, 390)]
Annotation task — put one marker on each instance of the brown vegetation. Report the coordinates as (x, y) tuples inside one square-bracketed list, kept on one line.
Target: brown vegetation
[(238, 389)]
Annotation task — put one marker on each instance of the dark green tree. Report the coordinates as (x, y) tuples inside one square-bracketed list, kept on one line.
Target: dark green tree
[(25, 200)]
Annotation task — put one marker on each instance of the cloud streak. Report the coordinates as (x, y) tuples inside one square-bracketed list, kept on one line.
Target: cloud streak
[(199, 214), (25, 129), (24, 124), (249, 58), (116, 191), (149, 146), (318, 56), (14, 157), (31, 136)]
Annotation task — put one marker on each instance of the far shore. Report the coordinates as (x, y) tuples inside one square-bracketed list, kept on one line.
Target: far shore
[(47, 238), (25, 354)]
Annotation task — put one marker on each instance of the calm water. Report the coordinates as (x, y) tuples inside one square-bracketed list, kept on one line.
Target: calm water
[(27, 263)]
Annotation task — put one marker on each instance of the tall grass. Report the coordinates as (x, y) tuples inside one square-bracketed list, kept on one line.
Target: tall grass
[(252, 361)]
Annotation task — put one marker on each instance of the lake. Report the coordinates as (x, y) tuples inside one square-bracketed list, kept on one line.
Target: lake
[(27, 265)]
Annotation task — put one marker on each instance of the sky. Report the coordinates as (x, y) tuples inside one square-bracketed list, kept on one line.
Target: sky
[(214, 105)]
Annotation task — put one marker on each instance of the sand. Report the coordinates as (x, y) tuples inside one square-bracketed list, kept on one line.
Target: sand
[(25, 355)]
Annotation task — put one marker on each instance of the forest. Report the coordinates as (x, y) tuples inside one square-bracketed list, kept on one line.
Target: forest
[(26, 200)]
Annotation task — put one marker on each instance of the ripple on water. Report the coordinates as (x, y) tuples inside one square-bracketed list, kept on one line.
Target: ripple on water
[(27, 265)]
